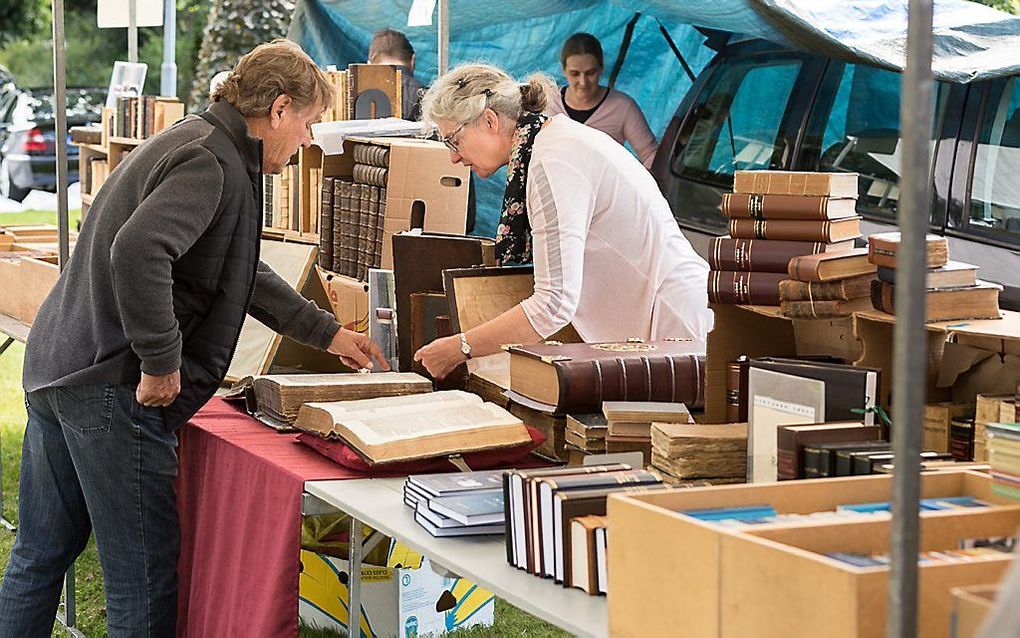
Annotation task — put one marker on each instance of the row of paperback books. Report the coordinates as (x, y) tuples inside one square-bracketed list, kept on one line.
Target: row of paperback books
[(776, 216)]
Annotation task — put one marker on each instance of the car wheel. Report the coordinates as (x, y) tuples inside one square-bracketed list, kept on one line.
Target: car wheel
[(7, 188)]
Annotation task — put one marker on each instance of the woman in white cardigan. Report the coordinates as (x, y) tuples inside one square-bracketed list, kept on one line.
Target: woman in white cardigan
[(609, 258)]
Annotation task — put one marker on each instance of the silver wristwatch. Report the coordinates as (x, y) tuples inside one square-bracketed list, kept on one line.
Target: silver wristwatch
[(465, 347)]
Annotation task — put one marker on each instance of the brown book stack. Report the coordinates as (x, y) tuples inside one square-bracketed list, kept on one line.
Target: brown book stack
[(776, 216), (953, 290), (827, 285), (586, 433), (689, 452), (351, 239)]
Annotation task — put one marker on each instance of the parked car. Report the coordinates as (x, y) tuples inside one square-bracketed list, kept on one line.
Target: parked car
[(757, 105), (28, 144)]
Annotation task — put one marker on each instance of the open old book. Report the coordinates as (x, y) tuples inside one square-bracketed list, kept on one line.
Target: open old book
[(279, 396), (414, 426)]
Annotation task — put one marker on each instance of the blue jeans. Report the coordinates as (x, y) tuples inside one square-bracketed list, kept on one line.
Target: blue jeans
[(94, 459)]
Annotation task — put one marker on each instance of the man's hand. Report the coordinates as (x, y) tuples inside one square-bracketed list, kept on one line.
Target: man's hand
[(356, 350), (158, 392)]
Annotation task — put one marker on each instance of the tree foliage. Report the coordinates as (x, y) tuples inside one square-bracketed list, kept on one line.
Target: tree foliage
[(234, 28)]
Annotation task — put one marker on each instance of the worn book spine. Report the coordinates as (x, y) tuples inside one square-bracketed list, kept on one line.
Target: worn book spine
[(795, 229), (823, 309), (839, 290), (757, 288), (340, 193), (882, 249), (795, 183), (585, 385), (759, 255), (757, 206), (326, 225), (377, 242), (961, 438), (736, 411)]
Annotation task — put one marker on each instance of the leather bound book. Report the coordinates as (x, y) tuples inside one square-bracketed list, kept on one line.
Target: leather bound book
[(839, 290), (831, 266), (830, 309), (755, 206), (796, 229), (371, 154), (791, 439), (326, 225), (764, 255), (736, 390), (796, 183), (418, 264), (377, 241), (578, 377), (756, 288), (882, 249), (954, 274), (973, 302)]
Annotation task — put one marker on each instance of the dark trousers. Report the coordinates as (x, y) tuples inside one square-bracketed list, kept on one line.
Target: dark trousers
[(95, 460)]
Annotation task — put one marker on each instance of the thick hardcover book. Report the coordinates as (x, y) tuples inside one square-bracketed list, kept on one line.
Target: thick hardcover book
[(371, 154), (820, 458), (736, 390), (451, 483), (974, 302), (756, 206), (839, 290), (418, 264), (882, 249), (755, 288), (584, 546), (961, 438), (954, 274), (823, 309), (791, 440), (845, 458), (578, 377), (796, 183), (797, 230), (326, 225), (372, 175), (700, 451), (764, 255), (831, 266)]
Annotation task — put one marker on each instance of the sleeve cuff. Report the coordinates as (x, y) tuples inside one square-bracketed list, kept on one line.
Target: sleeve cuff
[(163, 364)]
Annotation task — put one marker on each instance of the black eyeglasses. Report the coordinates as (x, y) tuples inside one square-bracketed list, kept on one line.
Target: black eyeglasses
[(448, 140)]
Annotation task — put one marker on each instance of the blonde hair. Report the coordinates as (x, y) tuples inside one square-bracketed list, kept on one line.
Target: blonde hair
[(465, 92), (270, 70)]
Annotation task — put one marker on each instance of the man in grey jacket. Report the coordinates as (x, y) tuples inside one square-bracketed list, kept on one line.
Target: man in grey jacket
[(138, 333)]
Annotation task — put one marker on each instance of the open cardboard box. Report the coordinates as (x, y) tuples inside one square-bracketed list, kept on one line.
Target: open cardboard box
[(970, 606), (653, 543), (424, 189)]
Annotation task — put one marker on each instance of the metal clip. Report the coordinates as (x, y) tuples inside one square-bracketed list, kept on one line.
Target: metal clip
[(553, 358), (553, 343), (635, 340), (506, 346)]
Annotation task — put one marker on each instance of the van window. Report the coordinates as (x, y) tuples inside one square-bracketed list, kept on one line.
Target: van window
[(737, 119), (860, 133), (994, 186)]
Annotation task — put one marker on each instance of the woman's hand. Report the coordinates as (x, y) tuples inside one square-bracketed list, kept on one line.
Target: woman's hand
[(441, 356), (356, 350)]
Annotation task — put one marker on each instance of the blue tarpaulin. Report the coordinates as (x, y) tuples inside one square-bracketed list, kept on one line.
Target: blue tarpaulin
[(971, 41)]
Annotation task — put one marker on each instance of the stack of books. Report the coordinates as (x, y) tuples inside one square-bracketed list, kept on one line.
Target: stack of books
[(713, 453), (542, 503), (953, 290), (140, 117), (630, 423), (774, 217), (586, 434), (1004, 457), (827, 285), (461, 504), (791, 441)]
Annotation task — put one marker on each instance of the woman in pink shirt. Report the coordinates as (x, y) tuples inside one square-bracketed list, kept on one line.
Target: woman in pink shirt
[(586, 101)]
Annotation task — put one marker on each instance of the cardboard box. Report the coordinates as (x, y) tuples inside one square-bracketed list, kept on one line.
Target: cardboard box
[(653, 543), (348, 298), (395, 602), (424, 189), (970, 606), (38, 276)]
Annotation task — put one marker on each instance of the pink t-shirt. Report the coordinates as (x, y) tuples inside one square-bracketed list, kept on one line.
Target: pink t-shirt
[(619, 117)]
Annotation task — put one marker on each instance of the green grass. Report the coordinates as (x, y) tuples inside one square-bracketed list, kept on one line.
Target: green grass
[(90, 599), (39, 217)]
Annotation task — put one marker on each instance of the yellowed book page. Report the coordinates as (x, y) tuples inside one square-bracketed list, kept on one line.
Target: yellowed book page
[(343, 378), (341, 409), (494, 368), (390, 426)]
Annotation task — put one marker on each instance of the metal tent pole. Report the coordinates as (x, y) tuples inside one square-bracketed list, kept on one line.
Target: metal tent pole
[(443, 28), (909, 364), (168, 71), (132, 31)]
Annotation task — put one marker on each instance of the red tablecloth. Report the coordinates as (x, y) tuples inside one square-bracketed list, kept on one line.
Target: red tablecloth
[(239, 498)]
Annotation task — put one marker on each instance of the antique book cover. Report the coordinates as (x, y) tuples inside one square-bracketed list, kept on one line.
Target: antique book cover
[(756, 206), (882, 249), (830, 266), (578, 377), (754, 288), (796, 183), (797, 230), (776, 399), (954, 274), (973, 302), (829, 309), (764, 255), (791, 439), (416, 426), (694, 451), (283, 394), (839, 290)]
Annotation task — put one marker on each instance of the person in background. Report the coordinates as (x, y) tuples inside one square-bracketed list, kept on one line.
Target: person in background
[(586, 101), (137, 335), (393, 47), (609, 257)]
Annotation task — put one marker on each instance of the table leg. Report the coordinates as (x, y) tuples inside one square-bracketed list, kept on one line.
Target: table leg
[(9, 526), (354, 588)]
